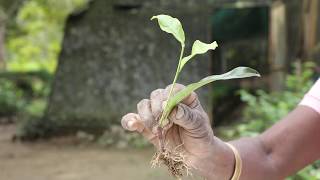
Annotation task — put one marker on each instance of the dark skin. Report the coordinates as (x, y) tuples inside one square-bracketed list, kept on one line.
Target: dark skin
[(285, 148), (280, 151)]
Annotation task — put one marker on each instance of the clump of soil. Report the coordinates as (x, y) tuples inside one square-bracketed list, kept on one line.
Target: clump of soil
[(173, 159)]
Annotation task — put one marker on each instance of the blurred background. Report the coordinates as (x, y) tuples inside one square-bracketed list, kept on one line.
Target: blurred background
[(69, 69)]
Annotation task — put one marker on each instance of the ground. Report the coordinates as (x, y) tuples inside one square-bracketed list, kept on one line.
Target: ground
[(65, 159)]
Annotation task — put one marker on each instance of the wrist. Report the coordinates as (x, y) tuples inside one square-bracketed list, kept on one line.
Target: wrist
[(218, 163), (238, 163)]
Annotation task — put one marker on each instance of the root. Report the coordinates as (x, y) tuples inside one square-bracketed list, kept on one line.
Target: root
[(173, 159)]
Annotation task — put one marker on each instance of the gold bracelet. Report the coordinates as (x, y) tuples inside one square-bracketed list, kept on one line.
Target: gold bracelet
[(238, 163)]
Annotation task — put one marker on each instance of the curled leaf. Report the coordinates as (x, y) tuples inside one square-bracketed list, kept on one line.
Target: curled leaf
[(199, 47), (171, 25)]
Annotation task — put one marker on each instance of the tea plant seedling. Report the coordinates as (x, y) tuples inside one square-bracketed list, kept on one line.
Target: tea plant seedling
[(174, 160)]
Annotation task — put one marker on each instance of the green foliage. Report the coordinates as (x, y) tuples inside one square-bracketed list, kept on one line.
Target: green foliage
[(34, 42), (239, 72), (264, 109), (198, 47), (11, 98), (173, 26), (311, 172), (22, 94)]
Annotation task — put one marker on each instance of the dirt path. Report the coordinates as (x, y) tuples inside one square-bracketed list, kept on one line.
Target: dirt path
[(62, 160)]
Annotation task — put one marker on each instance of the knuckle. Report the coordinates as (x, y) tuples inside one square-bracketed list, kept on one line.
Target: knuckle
[(195, 95), (192, 100), (168, 87), (194, 122), (177, 87), (189, 116), (155, 93), (142, 103), (149, 123)]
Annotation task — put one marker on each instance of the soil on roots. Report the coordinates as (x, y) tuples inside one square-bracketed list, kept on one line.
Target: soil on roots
[(174, 160)]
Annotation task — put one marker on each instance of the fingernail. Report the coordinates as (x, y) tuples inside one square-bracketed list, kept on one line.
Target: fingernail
[(131, 125), (180, 112)]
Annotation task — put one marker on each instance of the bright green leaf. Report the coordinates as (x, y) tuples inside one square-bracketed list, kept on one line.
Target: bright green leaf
[(199, 47), (171, 25), (239, 72)]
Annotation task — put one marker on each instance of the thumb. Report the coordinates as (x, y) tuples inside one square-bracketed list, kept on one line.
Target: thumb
[(185, 117), (131, 122)]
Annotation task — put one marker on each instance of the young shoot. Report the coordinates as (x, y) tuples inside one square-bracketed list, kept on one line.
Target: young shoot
[(173, 26), (174, 159)]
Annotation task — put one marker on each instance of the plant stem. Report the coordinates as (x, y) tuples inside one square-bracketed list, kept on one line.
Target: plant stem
[(165, 114), (161, 139)]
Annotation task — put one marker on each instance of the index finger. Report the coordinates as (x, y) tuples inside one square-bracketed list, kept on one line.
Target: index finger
[(191, 100)]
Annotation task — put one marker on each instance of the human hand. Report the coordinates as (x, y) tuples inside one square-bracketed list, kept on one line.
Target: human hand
[(189, 129)]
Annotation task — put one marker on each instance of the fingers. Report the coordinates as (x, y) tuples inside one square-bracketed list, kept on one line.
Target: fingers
[(191, 100), (157, 98), (185, 117), (145, 113), (145, 120), (150, 110), (132, 122)]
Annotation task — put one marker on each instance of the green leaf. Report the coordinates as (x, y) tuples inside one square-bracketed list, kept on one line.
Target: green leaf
[(199, 47), (239, 72), (171, 25)]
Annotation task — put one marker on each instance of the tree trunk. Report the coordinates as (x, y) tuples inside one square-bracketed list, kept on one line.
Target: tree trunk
[(310, 25), (278, 45), (3, 17), (2, 42)]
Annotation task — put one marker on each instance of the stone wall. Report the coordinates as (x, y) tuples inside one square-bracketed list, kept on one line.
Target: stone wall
[(113, 56)]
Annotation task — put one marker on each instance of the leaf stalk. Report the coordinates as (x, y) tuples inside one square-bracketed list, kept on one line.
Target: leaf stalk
[(164, 116)]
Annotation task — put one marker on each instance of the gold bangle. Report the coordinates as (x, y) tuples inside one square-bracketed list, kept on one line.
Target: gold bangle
[(238, 163)]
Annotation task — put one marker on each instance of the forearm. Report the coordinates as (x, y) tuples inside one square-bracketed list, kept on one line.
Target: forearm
[(288, 146), (283, 149), (257, 161), (294, 142)]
